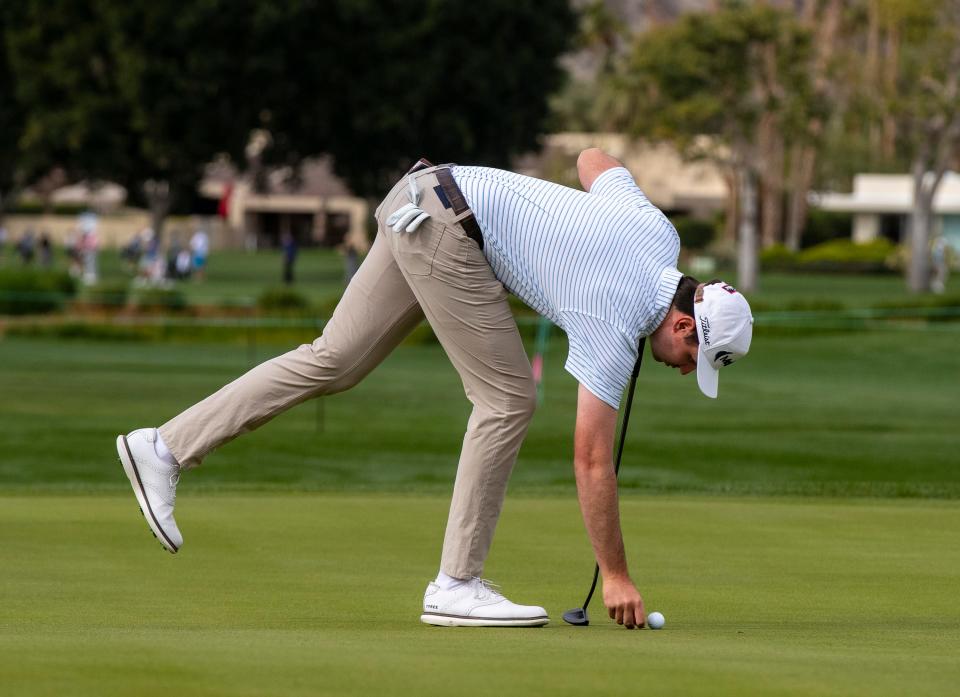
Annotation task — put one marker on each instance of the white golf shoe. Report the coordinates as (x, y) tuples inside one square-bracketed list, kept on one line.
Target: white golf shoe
[(477, 603), (154, 483)]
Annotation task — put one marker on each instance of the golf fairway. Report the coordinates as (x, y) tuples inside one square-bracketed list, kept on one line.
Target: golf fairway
[(320, 595)]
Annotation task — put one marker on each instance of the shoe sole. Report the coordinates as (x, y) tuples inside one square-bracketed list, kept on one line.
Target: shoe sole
[(130, 468), (461, 621)]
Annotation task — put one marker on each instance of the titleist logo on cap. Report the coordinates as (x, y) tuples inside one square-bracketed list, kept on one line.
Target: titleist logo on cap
[(705, 328)]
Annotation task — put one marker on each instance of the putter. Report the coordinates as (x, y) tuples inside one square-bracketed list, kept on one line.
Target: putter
[(578, 615)]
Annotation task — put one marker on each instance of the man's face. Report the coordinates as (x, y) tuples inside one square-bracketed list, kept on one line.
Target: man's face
[(669, 345)]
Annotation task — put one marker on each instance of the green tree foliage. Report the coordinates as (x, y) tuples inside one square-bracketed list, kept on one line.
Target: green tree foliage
[(11, 118), (147, 93), (927, 111), (377, 84), (141, 93), (739, 76), (718, 74), (65, 81)]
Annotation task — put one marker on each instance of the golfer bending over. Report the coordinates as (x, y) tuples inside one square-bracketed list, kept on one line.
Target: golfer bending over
[(451, 242)]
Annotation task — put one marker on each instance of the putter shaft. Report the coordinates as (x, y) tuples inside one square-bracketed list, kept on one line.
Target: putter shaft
[(616, 469)]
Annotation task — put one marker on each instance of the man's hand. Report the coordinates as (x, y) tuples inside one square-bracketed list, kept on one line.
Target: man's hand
[(623, 602)]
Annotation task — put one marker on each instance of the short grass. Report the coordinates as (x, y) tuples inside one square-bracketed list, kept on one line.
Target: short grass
[(241, 277), (871, 413), (237, 277), (319, 595), (799, 533), (811, 290)]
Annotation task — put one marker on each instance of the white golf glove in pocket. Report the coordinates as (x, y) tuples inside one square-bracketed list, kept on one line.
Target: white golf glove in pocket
[(409, 217)]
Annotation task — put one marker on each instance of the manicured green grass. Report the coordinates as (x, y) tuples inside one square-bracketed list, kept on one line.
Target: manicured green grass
[(320, 595), (810, 290), (282, 592), (870, 413), (238, 277)]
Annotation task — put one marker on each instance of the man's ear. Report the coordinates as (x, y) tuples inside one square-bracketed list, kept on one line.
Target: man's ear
[(683, 324)]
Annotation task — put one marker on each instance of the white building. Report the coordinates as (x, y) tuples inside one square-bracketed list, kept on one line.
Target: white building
[(881, 203)]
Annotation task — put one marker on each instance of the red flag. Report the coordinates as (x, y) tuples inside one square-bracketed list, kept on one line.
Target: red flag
[(223, 207)]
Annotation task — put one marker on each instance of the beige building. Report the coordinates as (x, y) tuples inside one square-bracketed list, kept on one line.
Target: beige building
[(673, 184), (315, 207), (318, 208)]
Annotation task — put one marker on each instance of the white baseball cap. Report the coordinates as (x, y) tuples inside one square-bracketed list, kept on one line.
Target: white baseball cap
[(724, 327)]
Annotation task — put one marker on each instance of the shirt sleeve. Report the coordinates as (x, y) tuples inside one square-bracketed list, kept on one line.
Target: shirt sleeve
[(617, 184), (601, 357)]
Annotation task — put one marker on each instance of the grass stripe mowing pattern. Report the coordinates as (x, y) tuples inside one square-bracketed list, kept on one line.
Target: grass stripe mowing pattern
[(845, 414), (319, 595)]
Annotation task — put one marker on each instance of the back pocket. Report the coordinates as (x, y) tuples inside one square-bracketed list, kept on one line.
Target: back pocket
[(416, 250)]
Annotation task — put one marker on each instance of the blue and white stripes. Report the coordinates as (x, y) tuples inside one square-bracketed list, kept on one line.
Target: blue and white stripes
[(600, 265)]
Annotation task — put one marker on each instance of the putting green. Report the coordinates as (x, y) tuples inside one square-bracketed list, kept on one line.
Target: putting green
[(319, 595)]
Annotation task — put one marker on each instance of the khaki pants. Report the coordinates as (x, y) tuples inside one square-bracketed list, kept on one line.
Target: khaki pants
[(437, 272)]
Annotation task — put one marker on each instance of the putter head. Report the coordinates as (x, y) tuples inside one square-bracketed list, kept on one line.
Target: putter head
[(577, 617)]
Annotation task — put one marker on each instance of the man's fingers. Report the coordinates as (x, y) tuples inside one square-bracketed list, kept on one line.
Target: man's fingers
[(636, 616), (629, 615), (624, 605)]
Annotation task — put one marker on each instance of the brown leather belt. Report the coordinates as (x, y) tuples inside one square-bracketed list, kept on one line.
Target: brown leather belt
[(451, 197)]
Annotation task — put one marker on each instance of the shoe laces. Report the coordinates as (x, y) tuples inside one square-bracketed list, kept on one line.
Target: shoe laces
[(486, 588)]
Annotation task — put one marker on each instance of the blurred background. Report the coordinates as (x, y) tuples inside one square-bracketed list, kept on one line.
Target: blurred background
[(807, 135), (187, 187), (197, 180)]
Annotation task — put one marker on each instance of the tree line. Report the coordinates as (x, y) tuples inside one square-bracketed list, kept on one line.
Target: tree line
[(147, 93), (788, 96), (784, 95)]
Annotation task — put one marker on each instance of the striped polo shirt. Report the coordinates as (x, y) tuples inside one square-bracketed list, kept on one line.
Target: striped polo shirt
[(600, 265)]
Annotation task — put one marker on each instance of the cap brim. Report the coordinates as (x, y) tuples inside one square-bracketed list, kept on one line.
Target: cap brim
[(708, 377)]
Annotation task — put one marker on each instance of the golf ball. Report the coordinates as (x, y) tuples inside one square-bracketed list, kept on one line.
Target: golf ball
[(655, 620)]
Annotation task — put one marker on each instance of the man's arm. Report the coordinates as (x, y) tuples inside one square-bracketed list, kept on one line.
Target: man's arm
[(597, 490), (593, 162)]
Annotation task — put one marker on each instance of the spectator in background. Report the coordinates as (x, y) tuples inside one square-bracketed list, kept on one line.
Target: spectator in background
[(3, 242), (289, 244), (351, 262), (46, 250), (200, 247), (89, 250), (940, 254), (74, 255), (133, 251), (183, 264), (89, 247), (26, 247), (173, 252), (152, 268)]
